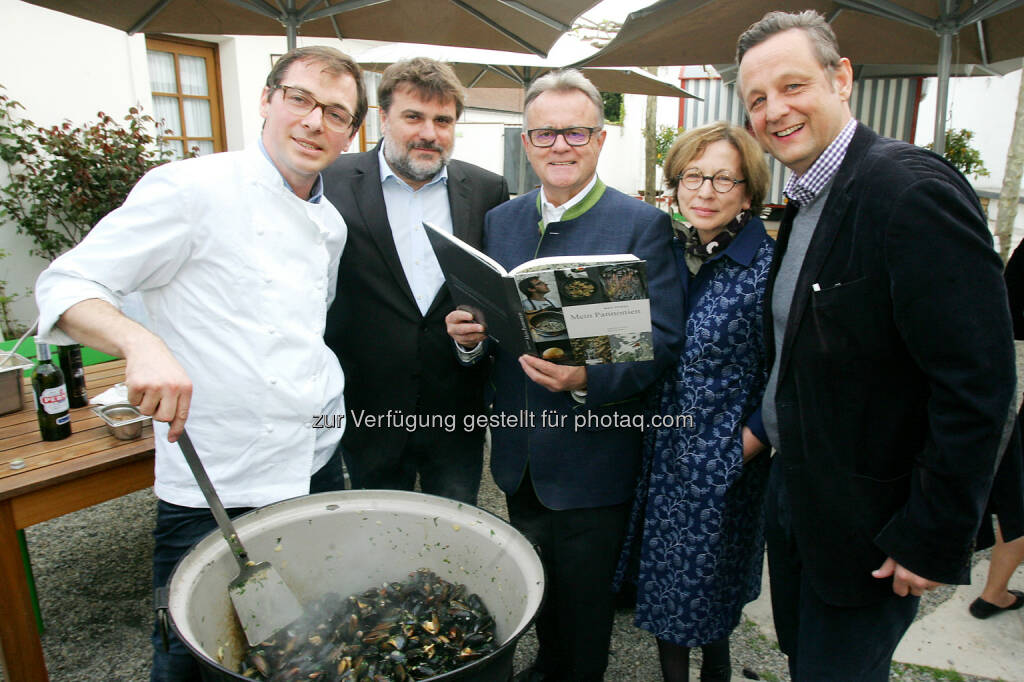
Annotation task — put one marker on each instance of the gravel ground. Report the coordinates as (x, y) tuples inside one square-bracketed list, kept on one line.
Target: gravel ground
[(92, 572)]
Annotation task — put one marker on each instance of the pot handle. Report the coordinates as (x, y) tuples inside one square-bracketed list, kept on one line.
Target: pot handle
[(160, 605)]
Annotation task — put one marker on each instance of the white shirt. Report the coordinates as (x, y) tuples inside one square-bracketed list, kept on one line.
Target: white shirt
[(236, 274), (550, 213), (408, 208)]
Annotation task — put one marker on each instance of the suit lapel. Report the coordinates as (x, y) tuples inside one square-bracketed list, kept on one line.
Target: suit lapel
[(825, 232), (369, 198), (459, 197)]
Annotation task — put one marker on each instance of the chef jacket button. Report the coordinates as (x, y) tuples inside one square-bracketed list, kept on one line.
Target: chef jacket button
[(259, 232), (268, 428), (273, 381)]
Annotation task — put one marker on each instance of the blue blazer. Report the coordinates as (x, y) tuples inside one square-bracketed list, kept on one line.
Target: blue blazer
[(580, 455)]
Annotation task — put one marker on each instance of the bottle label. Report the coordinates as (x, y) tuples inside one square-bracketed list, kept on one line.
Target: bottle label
[(61, 421), (54, 400)]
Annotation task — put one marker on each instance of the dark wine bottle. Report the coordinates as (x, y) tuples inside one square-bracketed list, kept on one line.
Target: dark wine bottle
[(51, 396), (74, 374)]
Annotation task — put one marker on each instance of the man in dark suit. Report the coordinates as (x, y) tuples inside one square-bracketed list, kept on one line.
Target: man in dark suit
[(569, 477), (406, 393), (893, 367)]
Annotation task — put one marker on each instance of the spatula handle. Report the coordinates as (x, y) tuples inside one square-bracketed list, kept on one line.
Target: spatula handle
[(216, 508)]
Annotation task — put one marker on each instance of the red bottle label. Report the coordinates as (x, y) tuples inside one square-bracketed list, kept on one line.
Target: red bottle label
[(54, 400)]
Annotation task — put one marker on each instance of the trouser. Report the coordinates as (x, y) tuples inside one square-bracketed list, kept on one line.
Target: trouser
[(825, 642), (579, 549), (177, 530), (448, 464)]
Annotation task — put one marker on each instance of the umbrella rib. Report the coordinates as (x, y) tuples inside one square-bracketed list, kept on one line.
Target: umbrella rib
[(260, 7), (346, 6), (337, 29), (982, 47), (499, 28), (539, 16), (987, 9), (502, 72), (148, 16), (888, 10)]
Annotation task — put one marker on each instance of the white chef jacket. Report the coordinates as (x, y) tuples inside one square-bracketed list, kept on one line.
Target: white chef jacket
[(236, 274)]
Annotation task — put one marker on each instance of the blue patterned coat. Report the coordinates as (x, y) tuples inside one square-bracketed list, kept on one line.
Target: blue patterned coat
[(697, 526)]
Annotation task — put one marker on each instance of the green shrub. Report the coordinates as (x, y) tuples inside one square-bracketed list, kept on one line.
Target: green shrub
[(64, 178), (961, 154)]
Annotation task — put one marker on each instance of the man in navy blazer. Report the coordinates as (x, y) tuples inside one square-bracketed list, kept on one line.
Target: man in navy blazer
[(406, 393), (570, 475), (893, 366)]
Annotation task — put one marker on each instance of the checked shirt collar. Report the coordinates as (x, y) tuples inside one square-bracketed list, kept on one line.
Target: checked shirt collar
[(804, 188)]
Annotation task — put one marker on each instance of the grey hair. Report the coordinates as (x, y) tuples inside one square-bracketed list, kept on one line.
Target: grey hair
[(565, 80), (823, 39)]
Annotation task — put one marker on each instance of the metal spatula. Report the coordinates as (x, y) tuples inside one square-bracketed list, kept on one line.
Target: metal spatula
[(262, 600)]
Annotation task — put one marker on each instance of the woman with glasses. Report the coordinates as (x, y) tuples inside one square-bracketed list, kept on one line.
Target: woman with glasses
[(696, 542)]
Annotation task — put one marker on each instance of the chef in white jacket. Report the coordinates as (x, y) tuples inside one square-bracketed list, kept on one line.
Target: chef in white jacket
[(235, 256)]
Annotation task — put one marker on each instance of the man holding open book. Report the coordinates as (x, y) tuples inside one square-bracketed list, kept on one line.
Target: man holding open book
[(569, 482)]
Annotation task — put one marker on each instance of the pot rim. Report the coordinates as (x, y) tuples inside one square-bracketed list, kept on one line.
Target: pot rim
[(213, 545)]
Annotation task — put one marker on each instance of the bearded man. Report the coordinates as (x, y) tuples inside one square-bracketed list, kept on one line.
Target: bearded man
[(407, 393)]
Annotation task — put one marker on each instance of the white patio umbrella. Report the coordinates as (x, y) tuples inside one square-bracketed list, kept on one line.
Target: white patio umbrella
[(530, 26), (876, 35), (495, 69)]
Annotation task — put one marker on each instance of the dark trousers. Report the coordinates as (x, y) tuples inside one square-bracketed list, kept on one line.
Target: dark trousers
[(579, 549), (448, 464), (177, 530), (826, 642)]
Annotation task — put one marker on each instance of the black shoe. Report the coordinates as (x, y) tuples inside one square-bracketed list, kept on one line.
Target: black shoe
[(982, 609), (749, 674)]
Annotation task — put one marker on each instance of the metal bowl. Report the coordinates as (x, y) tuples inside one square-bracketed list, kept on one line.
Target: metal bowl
[(123, 421)]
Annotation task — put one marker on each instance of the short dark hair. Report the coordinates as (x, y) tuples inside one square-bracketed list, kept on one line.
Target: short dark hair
[(428, 78), (525, 285), (334, 63), (822, 37)]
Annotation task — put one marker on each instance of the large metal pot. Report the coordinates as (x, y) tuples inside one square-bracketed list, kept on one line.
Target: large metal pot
[(349, 541)]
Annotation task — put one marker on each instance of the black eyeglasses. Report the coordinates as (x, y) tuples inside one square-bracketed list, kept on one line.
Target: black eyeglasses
[(721, 182), (576, 136), (300, 103)]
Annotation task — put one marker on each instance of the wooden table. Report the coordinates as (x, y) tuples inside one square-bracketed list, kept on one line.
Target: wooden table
[(59, 477)]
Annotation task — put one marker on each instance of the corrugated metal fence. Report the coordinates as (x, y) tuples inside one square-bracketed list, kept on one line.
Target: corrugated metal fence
[(887, 105)]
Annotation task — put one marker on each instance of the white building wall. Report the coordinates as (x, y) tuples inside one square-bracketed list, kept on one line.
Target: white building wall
[(482, 144), (60, 67)]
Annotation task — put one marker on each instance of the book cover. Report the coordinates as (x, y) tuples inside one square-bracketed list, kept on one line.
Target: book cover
[(572, 310)]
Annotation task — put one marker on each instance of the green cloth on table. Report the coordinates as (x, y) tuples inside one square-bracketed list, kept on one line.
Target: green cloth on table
[(90, 356)]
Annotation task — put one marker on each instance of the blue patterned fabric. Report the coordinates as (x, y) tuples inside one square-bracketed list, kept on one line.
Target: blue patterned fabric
[(696, 540)]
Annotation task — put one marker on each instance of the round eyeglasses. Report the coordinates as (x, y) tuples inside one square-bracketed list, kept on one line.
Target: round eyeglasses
[(577, 136), (300, 103), (721, 182)]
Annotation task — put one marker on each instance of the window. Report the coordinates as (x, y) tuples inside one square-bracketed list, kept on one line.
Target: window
[(186, 94)]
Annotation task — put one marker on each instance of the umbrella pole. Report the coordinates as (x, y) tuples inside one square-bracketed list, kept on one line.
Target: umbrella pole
[(942, 96), (292, 35), (527, 82)]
